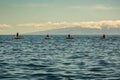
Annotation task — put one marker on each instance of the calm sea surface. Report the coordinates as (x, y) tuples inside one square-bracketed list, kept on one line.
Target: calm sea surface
[(81, 58)]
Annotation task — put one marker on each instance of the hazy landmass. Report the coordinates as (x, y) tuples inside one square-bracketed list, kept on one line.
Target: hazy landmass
[(80, 30)]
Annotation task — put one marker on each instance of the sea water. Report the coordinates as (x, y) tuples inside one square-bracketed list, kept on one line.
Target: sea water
[(82, 58)]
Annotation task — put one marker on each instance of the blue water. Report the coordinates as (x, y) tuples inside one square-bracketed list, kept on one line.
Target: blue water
[(81, 58)]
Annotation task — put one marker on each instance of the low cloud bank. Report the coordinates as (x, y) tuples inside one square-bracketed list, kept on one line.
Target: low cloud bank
[(2, 26), (107, 26), (90, 24)]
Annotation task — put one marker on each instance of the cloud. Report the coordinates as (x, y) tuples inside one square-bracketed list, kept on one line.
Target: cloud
[(45, 26), (90, 24), (103, 7), (32, 27), (95, 7), (32, 5), (3, 26)]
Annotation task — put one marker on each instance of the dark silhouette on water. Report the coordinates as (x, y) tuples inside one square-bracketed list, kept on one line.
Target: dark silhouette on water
[(69, 37), (17, 36), (103, 36), (47, 37)]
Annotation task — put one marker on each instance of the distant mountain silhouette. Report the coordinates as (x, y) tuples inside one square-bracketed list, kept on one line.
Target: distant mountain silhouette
[(80, 30)]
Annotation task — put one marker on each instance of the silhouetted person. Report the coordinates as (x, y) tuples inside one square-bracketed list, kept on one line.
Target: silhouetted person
[(47, 37), (69, 36), (103, 36), (17, 34)]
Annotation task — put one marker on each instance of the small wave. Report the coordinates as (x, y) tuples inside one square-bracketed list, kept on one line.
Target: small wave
[(103, 63), (4, 64), (96, 69), (31, 65)]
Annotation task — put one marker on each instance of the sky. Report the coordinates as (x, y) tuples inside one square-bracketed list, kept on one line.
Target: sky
[(27, 16)]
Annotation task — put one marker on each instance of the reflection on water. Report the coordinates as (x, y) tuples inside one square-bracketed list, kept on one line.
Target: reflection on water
[(84, 57)]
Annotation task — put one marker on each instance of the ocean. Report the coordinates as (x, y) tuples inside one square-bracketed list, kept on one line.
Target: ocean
[(86, 57)]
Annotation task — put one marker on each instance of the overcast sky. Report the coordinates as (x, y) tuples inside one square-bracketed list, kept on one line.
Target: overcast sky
[(39, 15)]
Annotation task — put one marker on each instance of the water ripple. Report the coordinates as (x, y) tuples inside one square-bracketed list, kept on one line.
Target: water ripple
[(82, 58)]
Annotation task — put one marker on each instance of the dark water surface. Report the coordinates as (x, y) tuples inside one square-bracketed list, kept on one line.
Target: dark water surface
[(81, 58)]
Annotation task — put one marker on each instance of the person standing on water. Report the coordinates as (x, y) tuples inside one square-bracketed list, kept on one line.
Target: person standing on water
[(17, 34)]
